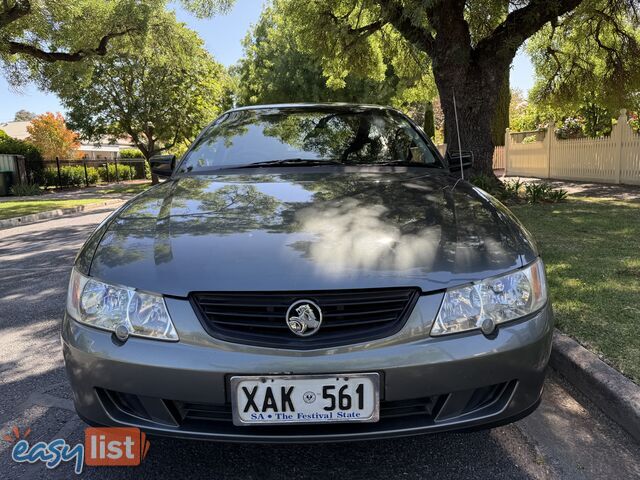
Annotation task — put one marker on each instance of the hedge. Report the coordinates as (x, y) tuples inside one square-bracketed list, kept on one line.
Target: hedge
[(73, 176), (11, 146), (69, 176), (131, 153), (125, 172)]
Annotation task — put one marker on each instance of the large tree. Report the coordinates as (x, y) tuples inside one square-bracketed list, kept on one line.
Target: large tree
[(471, 45), (44, 31), (23, 116), (589, 58), (37, 32), (277, 68), (49, 133), (160, 89)]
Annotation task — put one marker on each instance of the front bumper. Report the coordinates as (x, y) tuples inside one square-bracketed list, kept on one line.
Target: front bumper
[(457, 382)]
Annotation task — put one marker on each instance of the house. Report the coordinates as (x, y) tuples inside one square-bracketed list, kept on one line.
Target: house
[(17, 130), (105, 149)]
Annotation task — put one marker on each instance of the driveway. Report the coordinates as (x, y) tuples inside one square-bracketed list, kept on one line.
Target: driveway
[(565, 438)]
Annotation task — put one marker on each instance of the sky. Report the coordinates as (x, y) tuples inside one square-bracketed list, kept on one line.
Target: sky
[(223, 38)]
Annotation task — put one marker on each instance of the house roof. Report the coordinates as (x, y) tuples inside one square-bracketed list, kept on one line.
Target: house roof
[(19, 131), (15, 129)]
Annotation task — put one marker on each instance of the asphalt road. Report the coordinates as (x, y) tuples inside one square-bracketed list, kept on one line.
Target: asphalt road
[(565, 438)]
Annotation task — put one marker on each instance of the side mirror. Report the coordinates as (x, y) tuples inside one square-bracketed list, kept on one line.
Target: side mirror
[(162, 165), (454, 160)]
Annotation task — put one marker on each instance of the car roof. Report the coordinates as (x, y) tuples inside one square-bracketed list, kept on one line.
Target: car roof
[(311, 106)]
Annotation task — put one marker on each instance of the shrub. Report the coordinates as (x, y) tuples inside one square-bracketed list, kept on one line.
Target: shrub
[(131, 153), (634, 121), (70, 176), (125, 172), (530, 139), (516, 191), (571, 128), (26, 189), (493, 186), (512, 187), (486, 183), (543, 192), (557, 195), (11, 146)]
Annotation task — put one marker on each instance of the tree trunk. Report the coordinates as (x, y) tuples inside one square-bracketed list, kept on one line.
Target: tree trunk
[(148, 149), (501, 118), (476, 93), (429, 125)]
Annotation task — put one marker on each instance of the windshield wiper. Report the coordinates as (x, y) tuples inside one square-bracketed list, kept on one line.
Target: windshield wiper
[(290, 162)]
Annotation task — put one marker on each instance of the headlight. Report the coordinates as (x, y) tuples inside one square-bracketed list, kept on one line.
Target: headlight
[(110, 307), (493, 301)]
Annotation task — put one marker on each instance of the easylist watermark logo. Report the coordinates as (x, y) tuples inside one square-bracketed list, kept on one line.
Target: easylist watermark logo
[(103, 447)]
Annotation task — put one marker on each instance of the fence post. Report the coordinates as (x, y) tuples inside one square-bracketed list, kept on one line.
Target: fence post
[(619, 138), (86, 175), (59, 174), (117, 176), (550, 138), (507, 141), (21, 168)]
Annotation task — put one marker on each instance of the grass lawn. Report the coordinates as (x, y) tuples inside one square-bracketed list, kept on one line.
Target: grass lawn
[(591, 248), (27, 207)]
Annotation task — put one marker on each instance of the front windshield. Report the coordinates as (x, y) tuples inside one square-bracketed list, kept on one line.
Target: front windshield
[(304, 136)]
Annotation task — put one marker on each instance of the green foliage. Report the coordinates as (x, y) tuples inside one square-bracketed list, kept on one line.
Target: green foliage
[(634, 121), (597, 120), (594, 53), (530, 139), (25, 189), (557, 195), (278, 66), (36, 33), (543, 192), (48, 27), (516, 191), (70, 176), (23, 116), (281, 64), (590, 248), (488, 184), (21, 207), (513, 187), (571, 128), (161, 88), (125, 172), (9, 145), (131, 153)]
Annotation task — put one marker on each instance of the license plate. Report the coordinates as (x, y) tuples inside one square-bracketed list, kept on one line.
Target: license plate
[(279, 400)]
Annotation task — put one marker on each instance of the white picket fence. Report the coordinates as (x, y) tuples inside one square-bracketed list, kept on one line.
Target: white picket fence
[(499, 160), (613, 159)]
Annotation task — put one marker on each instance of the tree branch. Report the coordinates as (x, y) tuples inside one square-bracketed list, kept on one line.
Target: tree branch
[(9, 15), (521, 24), (418, 36), (33, 51)]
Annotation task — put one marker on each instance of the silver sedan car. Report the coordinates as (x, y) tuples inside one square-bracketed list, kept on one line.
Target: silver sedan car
[(308, 273)]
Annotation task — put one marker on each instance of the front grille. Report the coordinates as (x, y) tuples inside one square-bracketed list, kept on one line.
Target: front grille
[(349, 316), (467, 405), (193, 413)]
